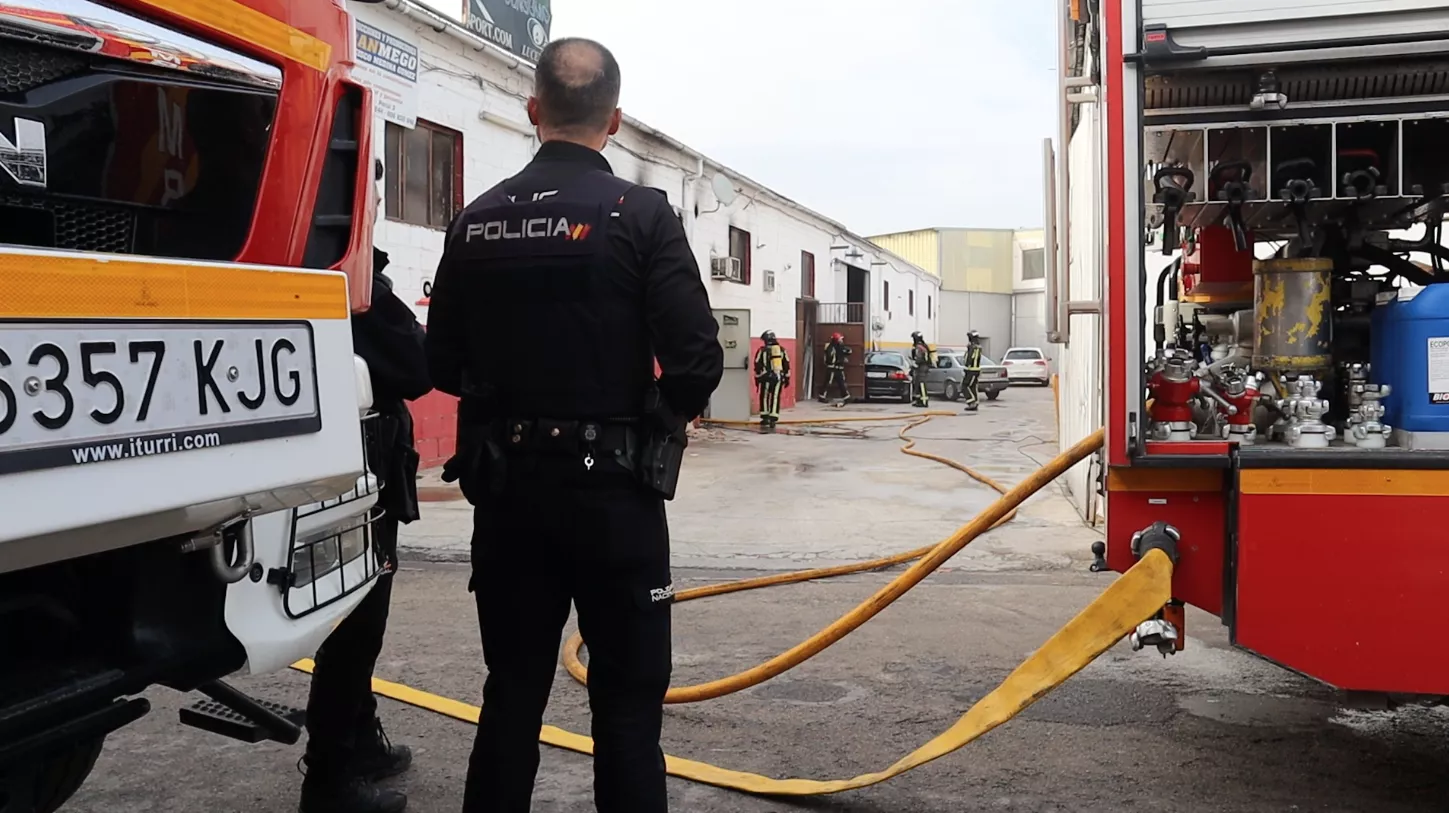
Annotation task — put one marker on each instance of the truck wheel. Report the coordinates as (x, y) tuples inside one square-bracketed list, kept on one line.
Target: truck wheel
[(991, 395), (953, 392), (48, 782)]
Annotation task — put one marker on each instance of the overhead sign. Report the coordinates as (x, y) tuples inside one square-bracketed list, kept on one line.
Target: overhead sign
[(389, 66), (520, 27)]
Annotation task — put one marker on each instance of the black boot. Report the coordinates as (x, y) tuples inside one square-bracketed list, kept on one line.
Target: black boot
[(325, 792), (376, 758)]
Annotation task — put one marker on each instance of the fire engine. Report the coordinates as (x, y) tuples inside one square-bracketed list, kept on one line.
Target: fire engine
[(186, 205), (1247, 203)]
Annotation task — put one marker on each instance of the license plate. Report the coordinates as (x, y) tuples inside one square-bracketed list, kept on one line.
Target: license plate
[(875, 375), (88, 392)]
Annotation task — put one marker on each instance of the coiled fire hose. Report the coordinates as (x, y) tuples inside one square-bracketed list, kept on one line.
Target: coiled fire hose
[(1133, 598)]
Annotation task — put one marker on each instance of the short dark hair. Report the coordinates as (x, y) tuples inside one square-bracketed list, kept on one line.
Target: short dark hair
[(574, 93)]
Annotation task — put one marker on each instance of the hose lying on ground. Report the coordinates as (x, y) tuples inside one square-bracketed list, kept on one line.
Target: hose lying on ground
[(999, 513), (1136, 596)]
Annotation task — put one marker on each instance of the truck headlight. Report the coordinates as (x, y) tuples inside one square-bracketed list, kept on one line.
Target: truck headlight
[(326, 551), (362, 377)]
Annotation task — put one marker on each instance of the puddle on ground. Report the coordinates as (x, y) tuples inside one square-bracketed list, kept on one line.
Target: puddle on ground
[(1257, 709), (810, 692)]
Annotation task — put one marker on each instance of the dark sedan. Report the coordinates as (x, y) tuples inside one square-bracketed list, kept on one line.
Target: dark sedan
[(887, 376)]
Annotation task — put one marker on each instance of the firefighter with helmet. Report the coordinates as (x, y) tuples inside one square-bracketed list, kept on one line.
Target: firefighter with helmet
[(772, 374), (836, 355), (973, 372), (921, 362)]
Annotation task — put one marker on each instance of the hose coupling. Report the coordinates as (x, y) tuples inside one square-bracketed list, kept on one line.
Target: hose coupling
[(1156, 632), (1160, 536)]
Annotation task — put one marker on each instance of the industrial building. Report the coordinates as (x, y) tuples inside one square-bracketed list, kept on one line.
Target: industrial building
[(992, 281), (450, 108)]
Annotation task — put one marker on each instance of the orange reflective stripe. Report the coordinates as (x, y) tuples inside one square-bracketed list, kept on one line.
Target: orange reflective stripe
[(253, 26), (1345, 482), (62, 286)]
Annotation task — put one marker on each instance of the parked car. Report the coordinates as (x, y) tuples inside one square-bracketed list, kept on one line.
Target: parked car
[(948, 377), (888, 375), (1027, 364)]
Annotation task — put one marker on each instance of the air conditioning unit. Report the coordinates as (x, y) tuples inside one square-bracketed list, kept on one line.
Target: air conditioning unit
[(769, 281), (727, 268)]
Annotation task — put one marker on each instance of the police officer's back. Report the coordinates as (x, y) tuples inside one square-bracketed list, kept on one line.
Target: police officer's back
[(568, 447)]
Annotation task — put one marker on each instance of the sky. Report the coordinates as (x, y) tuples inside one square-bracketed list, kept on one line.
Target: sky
[(885, 116)]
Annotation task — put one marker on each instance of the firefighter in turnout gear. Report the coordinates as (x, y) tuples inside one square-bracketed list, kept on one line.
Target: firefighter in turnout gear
[(836, 355), (772, 374), (973, 372), (921, 361)]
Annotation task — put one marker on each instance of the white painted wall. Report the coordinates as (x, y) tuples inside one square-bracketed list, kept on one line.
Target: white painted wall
[(476, 93), (1026, 241), (1028, 324)]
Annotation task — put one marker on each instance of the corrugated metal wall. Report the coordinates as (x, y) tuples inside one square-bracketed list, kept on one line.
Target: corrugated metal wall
[(921, 248), (977, 260), (963, 311)]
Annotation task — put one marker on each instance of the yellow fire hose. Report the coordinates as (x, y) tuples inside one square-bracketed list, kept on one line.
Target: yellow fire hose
[(848, 624), (1134, 597)]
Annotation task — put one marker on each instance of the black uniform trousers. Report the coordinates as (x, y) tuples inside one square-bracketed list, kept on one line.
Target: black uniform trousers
[(556, 535), (341, 705), (835, 380)]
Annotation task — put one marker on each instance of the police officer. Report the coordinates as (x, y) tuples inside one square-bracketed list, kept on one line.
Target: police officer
[(836, 355), (972, 376), (569, 463), (772, 375), (347, 749), (921, 362)]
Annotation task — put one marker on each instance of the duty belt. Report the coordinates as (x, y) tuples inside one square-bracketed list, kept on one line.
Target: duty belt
[(546, 436)]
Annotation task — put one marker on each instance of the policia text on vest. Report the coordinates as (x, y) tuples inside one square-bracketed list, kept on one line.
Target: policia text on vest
[(569, 462)]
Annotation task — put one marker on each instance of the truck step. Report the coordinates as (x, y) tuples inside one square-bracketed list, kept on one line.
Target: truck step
[(232, 714)]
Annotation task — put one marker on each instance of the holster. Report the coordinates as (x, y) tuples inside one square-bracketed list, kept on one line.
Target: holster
[(392, 458), (479, 467), (661, 452)]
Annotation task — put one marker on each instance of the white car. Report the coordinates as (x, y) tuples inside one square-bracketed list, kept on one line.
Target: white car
[(1027, 364)]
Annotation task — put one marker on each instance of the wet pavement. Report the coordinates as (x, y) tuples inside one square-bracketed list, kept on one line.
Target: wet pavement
[(1211, 729)]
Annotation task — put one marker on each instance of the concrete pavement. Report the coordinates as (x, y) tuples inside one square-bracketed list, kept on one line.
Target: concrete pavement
[(1211, 730), (846, 494)]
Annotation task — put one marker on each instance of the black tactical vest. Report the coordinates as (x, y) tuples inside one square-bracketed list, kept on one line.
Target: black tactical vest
[(557, 327)]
